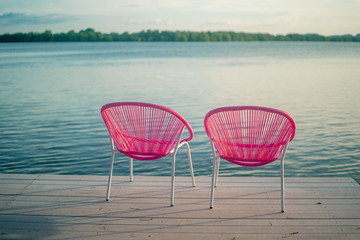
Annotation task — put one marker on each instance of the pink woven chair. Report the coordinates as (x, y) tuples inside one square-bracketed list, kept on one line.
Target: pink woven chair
[(248, 136), (145, 131)]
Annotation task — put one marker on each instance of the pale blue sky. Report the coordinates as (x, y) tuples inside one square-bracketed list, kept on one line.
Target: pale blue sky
[(326, 17)]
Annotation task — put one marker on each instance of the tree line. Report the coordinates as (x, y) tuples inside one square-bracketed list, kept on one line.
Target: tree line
[(90, 35)]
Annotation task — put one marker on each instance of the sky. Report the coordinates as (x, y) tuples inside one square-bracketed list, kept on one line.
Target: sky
[(325, 17)]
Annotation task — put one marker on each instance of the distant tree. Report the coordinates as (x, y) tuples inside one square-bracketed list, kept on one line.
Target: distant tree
[(266, 37), (115, 36), (315, 37), (281, 38), (46, 36), (226, 37), (204, 37), (296, 37), (180, 36), (167, 36), (72, 36), (194, 36)]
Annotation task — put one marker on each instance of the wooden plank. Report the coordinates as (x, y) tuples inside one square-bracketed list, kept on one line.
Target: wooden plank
[(188, 200), (19, 176), (57, 234), (181, 181), (92, 230), (178, 221), (187, 182), (184, 227), (184, 210), (144, 204), (186, 192), (178, 178)]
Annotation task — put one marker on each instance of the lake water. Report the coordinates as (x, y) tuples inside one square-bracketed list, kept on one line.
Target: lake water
[(51, 95)]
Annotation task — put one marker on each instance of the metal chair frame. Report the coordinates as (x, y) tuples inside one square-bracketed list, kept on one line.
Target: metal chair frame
[(217, 157), (179, 143)]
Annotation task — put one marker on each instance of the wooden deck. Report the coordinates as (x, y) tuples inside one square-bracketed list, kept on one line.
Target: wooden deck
[(74, 207)]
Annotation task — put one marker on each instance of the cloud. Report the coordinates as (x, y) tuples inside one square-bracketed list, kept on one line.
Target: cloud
[(153, 22), (135, 22), (220, 22), (11, 19)]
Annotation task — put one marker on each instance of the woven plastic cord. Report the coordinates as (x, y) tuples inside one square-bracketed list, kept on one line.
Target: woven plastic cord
[(142, 130), (249, 135)]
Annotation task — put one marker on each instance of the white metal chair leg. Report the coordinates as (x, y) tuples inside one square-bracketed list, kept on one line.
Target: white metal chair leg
[(282, 160), (172, 181), (282, 185), (217, 171), (213, 183), (217, 163), (131, 170), (214, 170), (190, 164), (110, 176), (173, 171)]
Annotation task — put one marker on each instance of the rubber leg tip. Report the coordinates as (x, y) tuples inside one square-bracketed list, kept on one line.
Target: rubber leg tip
[(107, 200), (210, 207), (171, 205)]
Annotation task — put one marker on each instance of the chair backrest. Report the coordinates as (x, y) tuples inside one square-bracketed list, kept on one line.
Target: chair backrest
[(142, 130), (249, 135)]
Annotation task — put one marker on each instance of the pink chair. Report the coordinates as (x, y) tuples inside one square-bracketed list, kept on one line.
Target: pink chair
[(248, 136), (145, 131)]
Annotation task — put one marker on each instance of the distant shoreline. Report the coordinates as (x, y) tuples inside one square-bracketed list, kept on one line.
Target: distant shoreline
[(90, 35)]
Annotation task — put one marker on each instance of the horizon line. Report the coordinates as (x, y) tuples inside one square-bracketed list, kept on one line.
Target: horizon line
[(188, 31)]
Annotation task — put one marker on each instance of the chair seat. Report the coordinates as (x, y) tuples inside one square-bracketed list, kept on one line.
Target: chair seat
[(145, 156), (249, 162)]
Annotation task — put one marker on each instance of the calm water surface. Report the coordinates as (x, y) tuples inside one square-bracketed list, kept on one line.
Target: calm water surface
[(51, 95)]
